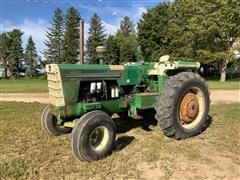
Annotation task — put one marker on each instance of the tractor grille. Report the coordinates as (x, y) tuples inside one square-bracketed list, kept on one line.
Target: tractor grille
[(56, 97)]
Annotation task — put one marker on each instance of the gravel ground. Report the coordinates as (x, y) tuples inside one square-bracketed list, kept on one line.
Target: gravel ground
[(217, 97)]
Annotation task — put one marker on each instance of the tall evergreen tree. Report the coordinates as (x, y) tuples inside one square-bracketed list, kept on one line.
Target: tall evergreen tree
[(54, 42), (96, 38), (128, 49), (31, 58), (153, 31), (127, 41), (126, 27), (15, 57), (113, 51), (71, 36)]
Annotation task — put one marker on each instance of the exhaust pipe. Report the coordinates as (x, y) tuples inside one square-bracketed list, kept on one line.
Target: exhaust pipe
[(81, 43)]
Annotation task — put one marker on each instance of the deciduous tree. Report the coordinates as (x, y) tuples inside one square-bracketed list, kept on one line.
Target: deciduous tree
[(211, 28), (202, 30), (4, 51)]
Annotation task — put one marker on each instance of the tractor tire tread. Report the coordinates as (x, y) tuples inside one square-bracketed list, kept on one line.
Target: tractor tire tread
[(165, 101)]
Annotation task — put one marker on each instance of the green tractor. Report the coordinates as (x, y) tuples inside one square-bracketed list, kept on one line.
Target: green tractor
[(84, 97)]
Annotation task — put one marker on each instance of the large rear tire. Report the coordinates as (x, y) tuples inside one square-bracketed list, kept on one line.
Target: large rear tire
[(182, 106), (93, 136), (49, 124)]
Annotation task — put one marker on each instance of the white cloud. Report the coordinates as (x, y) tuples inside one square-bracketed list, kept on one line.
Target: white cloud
[(140, 11), (134, 13), (114, 13), (111, 28), (36, 29)]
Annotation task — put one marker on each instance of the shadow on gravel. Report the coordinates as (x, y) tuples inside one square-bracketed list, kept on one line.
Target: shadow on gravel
[(208, 123)]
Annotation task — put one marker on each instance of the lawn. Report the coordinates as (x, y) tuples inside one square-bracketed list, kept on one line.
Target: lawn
[(40, 85), (141, 150), (228, 85), (23, 85)]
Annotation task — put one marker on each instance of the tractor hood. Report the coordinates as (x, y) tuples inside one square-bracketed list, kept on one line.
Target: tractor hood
[(87, 72)]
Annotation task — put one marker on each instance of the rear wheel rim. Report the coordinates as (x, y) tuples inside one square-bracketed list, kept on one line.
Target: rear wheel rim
[(191, 108), (99, 138)]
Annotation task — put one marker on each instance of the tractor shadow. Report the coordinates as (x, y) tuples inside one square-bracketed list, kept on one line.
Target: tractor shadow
[(208, 123), (126, 124)]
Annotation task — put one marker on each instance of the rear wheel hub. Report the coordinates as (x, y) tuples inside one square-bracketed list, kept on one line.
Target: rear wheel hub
[(189, 108)]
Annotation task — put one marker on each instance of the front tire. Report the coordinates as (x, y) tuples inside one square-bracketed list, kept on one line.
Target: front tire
[(182, 106), (93, 136), (49, 124)]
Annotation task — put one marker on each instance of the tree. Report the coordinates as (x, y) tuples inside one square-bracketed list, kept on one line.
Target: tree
[(54, 42), (31, 58), (4, 51), (153, 32), (113, 50), (212, 30), (126, 27), (96, 38), (128, 49), (201, 30), (71, 36), (127, 41), (15, 57)]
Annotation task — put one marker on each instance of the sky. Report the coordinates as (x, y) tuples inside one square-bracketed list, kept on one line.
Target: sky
[(33, 17)]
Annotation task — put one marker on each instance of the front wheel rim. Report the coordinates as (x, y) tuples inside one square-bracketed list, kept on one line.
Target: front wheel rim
[(191, 108), (99, 138)]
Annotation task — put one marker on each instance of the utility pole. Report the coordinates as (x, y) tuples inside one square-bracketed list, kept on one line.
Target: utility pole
[(81, 43)]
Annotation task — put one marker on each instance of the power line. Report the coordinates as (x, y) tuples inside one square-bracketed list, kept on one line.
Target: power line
[(100, 3)]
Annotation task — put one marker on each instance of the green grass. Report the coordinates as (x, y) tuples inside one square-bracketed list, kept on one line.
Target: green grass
[(40, 85), (28, 153), (228, 85), (23, 85)]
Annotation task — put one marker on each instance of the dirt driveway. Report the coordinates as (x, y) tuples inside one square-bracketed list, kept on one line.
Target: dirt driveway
[(217, 97), (25, 97)]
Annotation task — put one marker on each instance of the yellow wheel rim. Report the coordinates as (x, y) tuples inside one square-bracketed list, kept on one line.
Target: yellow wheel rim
[(99, 138), (192, 107)]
